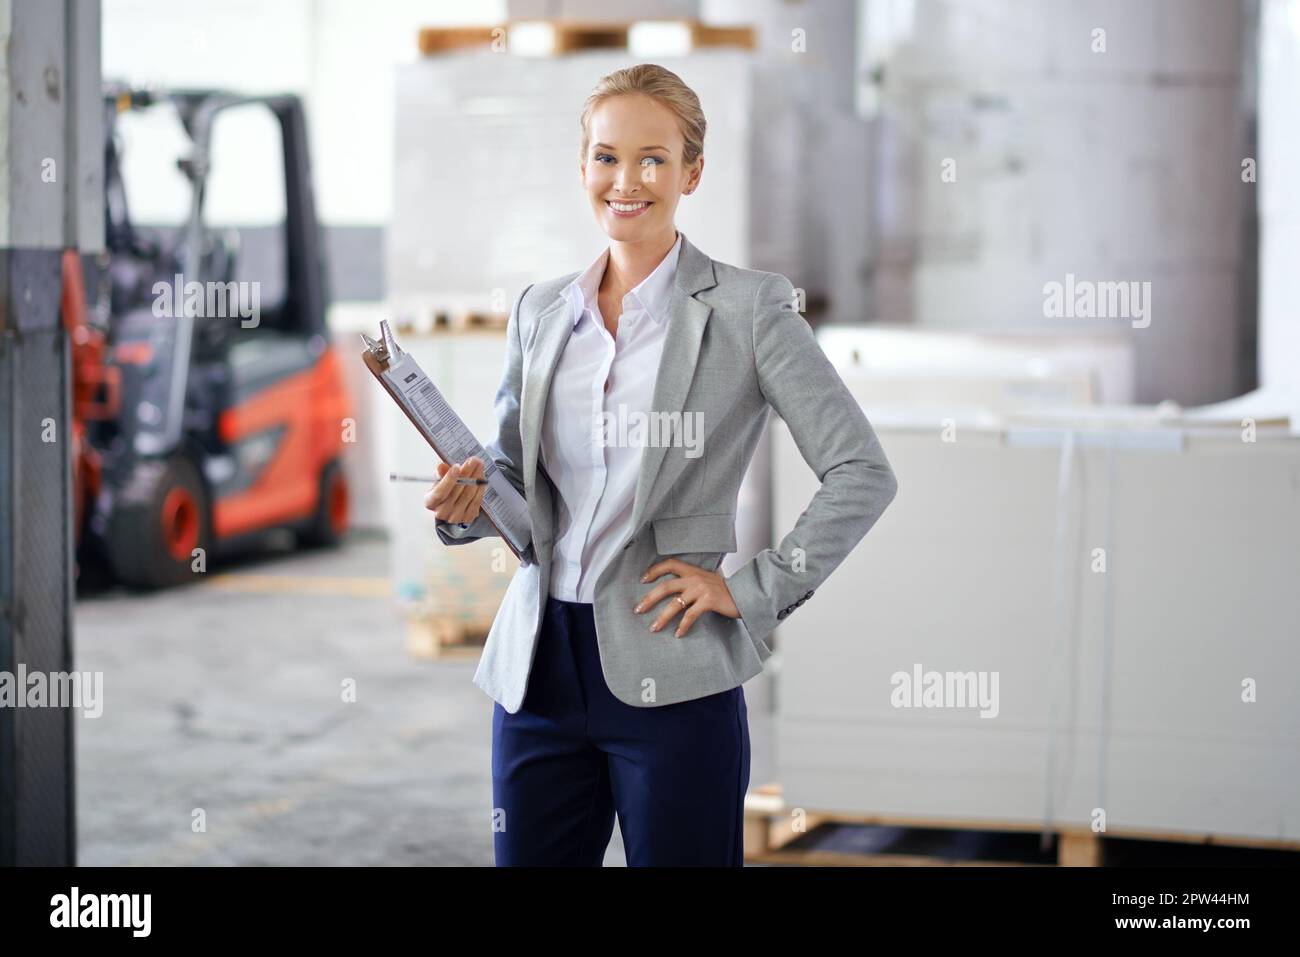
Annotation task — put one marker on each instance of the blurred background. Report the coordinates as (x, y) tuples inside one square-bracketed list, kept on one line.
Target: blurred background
[(1050, 245)]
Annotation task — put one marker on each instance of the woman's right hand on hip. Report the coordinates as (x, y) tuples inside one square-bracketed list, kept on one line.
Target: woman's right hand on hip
[(451, 502)]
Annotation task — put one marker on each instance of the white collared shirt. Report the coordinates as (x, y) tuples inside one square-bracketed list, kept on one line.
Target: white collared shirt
[(601, 386)]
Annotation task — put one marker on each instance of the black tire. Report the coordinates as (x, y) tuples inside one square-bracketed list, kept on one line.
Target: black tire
[(160, 515), (328, 525)]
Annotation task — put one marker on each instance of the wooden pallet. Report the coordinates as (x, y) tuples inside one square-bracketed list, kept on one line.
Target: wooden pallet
[(572, 36), (426, 319), (435, 40), (469, 321), (771, 838), (703, 35), (445, 639)]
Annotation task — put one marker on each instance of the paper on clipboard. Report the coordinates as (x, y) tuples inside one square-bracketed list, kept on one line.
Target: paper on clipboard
[(423, 403)]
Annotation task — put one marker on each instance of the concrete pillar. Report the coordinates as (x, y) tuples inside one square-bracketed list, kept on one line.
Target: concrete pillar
[(51, 151)]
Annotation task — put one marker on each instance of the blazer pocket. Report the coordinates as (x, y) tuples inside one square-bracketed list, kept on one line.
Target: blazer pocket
[(680, 534)]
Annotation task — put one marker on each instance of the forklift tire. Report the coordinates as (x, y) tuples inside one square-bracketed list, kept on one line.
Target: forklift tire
[(329, 523), (159, 518)]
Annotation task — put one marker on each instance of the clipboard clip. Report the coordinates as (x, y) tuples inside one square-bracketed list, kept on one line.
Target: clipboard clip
[(386, 349)]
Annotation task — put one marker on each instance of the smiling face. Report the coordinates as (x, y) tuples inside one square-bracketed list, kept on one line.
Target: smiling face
[(633, 170)]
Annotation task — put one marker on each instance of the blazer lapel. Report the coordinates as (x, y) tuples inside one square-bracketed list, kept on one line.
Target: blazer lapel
[(686, 321), (553, 328)]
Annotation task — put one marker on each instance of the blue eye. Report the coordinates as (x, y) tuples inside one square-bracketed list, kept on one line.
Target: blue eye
[(601, 157)]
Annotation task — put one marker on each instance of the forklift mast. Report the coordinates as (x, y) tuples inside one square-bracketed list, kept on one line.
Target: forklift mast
[(199, 111)]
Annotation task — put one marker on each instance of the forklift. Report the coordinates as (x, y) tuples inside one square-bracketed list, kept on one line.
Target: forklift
[(209, 407)]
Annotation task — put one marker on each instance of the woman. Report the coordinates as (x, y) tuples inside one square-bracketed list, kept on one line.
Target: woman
[(633, 396)]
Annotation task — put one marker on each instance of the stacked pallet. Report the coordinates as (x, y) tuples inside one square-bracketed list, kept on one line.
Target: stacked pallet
[(1133, 592), (490, 144), (574, 36), (779, 833), (447, 596)]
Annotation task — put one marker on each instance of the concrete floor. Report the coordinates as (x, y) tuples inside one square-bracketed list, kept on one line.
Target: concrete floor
[(226, 696)]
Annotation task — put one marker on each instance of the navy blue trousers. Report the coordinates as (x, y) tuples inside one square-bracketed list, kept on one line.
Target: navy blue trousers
[(574, 756)]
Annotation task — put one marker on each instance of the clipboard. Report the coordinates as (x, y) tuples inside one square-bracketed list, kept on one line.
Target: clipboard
[(423, 404)]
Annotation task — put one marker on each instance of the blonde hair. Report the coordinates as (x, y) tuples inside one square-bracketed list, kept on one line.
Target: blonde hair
[(663, 86)]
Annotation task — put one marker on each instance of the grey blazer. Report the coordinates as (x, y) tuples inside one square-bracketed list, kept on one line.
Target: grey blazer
[(735, 345)]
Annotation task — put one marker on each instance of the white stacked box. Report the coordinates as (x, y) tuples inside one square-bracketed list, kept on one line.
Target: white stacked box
[(1118, 165), (1145, 720), (488, 195), (1279, 209), (602, 11), (463, 584), (892, 364), (364, 458)]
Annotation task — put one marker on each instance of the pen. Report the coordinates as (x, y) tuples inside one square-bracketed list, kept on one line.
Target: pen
[(394, 477)]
